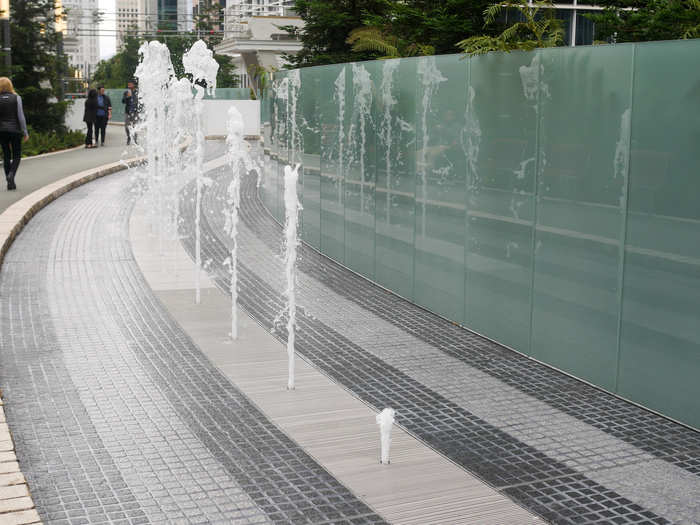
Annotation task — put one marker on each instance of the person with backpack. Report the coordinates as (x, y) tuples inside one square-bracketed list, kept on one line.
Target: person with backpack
[(13, 126)]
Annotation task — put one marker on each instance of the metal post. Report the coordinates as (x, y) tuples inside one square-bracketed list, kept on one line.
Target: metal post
[(59, 65), (6, 44)]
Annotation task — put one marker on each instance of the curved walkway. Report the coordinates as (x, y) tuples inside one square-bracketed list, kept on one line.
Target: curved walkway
[(36, 172), (117, 416), (563, 449)]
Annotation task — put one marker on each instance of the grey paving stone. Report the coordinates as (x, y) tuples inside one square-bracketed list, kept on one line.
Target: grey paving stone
[(501, 460), (113, 404)]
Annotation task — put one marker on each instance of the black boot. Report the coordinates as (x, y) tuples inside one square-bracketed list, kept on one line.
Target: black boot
[(11, 180)]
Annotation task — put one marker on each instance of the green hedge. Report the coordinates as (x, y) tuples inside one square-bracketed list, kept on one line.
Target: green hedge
[(43, 142)]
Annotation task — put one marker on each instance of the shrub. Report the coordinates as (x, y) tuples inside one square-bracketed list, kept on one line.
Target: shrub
[(44, 142)]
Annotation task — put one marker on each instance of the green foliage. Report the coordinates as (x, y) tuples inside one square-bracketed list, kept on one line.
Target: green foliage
[(537, 28), (407, 27), (115, 72), (36, 67), (327, 25), (645, 20), (44, 142), (374, 39), (259, 79)]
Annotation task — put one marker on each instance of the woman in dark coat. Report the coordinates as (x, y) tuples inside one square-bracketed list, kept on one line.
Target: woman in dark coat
[(12, 126), (90, 116)]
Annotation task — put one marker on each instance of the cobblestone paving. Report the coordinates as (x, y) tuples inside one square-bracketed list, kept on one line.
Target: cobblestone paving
[(117, 416), (560, 447)]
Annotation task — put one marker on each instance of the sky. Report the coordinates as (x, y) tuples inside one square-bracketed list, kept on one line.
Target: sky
[(108, 43)]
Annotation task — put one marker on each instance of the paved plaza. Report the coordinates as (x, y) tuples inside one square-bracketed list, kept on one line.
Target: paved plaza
[(121, 413)]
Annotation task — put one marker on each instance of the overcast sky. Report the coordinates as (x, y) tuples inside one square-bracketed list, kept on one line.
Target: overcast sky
[(107, 43)]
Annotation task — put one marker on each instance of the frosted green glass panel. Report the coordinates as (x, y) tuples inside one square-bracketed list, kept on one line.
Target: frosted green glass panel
[(333, 116), (557, 189), (282, 116), (660, 344), (229, 94), (359, 162), (311, 162), (115, 96), (501, 137), (441, 185), (581, 188), (268, 190), (396, 173)]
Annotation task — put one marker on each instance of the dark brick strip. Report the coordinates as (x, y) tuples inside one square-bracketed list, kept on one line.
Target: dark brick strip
[(490, 453), (641, 428), (284, 481), (72, 477)]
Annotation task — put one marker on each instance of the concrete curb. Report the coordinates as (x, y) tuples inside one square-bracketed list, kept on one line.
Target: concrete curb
[(13, 219), (50, 153), (16, 504)]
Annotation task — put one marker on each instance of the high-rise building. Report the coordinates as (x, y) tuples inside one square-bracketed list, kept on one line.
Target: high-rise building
[(248, 8), (82, 30), (144, 17), (252, 34), (174, 15), (129, 18), (200, 7)]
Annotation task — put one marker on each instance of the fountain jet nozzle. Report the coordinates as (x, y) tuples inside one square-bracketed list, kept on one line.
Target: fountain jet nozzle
[(385, 420)]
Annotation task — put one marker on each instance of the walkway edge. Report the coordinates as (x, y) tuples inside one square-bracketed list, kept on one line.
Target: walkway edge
[(14, 218), (16, 504)]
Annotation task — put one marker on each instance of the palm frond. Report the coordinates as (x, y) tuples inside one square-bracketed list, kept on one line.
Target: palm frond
[(372, 39)]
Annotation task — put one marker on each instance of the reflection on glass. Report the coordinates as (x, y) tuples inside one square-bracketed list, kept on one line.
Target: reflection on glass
[(660, 343), (540, 198)]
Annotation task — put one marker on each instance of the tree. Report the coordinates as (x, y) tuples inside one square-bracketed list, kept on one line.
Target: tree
[(37, 68), (437, 24), (381, 28), (259, 80), (644, 20), (118, 70), (115, 72), (376, 40), (537, 28), (327, 26)]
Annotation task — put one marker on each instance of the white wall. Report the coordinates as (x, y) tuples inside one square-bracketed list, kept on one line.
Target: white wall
[(215, 115), (74, 115)]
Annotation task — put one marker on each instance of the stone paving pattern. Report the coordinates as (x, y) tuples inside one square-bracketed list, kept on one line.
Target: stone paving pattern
[(558, 446), (118, 417)]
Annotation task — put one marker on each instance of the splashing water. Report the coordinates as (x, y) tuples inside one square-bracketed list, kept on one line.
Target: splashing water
[(291, 243), (237, 156), (154, 73), (295, 145), (339, 96), (431, 78), (385, 127), (622, 148), (362, 91), (199, 62), (385, 420)]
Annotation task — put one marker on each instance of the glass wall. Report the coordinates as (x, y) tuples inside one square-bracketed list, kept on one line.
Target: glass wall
[(548, 200), (115, 95)]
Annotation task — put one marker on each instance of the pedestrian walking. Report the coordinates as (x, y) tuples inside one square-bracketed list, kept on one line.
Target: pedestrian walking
[(104, 113), (90, 116), (13, 126), (130, 99)]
